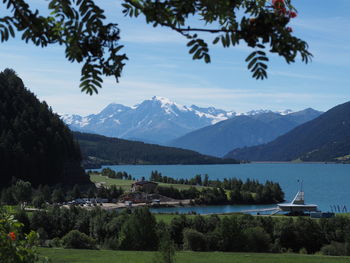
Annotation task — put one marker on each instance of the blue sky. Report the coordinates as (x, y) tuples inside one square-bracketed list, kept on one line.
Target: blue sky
[(159, 64)]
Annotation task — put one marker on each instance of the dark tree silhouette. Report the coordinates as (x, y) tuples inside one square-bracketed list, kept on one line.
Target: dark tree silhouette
[(35, 145)]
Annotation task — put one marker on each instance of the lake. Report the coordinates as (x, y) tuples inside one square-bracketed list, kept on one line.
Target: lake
[(324, 184)]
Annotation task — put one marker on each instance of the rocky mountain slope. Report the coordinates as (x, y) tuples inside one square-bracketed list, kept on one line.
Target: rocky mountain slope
[(157, 120), (254, 128)]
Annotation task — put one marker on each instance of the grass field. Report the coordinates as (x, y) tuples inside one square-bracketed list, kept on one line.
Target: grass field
[(110, 256), (166, 218), (126, 184)]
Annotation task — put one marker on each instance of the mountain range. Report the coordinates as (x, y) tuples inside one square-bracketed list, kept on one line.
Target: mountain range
[(326, 138), (242, 130), (157, 120)]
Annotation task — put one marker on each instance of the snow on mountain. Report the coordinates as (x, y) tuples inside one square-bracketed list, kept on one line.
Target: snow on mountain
[(71, 119), (262, 111), (75, 120), (255, 112), (157, 120), (285, 112)]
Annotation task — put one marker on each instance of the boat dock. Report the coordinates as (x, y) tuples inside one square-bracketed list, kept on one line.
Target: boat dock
[(262, 210)]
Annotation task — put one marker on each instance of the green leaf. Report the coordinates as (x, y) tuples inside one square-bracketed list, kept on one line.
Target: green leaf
[(191, 43), (197, 54), (207, 58), (252, 62), (250, 56), (263, 58), (194, 48), (216, 40)]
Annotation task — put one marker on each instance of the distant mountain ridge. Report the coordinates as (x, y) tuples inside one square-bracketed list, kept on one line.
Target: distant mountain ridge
[(243, 130), (100, 150), (326, 138), (158, 120)]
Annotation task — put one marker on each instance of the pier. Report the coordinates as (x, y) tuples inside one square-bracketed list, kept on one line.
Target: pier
[(262, 210)]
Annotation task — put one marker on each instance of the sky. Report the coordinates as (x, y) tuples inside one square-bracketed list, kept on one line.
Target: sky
[(159, 65)]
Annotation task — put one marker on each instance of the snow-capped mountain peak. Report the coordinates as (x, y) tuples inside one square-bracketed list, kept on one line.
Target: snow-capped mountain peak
[(114, 108), (168, 105), (162, 100), (156, 120)]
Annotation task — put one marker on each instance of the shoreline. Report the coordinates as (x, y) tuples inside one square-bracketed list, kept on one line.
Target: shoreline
[(213, 164), (290, 162)]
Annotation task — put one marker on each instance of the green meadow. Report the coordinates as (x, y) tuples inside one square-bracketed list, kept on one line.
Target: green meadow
[(110, 256)]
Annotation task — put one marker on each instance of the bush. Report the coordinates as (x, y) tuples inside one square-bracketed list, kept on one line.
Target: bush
[(56, 242), (76, 239), (42, 236), (38, 201), (139, 231), (303, 251), (111, 243), (334, 249), (194, 240), (213, 241), (16, 247), (257, 240), (166, 250)]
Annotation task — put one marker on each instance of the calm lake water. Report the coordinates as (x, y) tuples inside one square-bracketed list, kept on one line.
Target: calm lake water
[(324, 184)]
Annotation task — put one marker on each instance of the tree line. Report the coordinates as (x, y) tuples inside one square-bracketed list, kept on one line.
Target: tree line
[(22, 192), (239, 192), (108, 172), (139, 230), (228, 191)]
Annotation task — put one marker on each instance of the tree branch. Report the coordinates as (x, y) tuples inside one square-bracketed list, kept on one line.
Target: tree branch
[(213, 31)]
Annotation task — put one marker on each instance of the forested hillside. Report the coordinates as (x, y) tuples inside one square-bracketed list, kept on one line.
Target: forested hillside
[(323, 139), (35, 145), (98, 150), (337, 151)]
